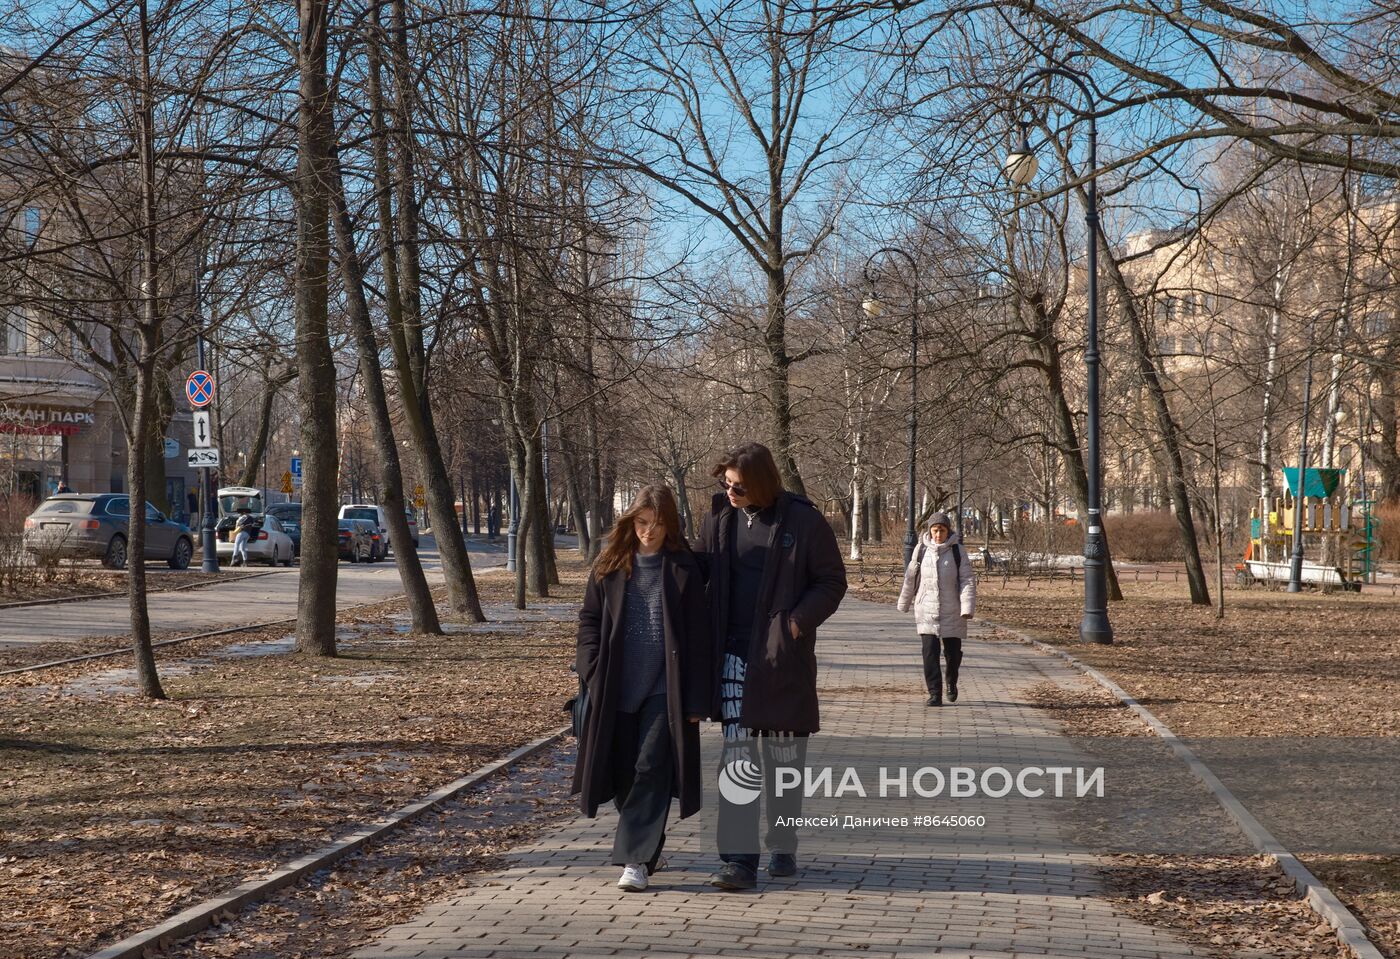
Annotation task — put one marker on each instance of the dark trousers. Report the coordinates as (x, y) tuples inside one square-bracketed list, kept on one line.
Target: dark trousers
[(643, 767), (738, 821), (748, 779), (952, 651)]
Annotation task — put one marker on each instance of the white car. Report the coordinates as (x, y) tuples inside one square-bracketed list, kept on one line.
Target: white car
[(375, 514), (269, 544)]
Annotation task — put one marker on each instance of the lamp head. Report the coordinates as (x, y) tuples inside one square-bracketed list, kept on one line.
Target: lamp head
[(1021, 166), (872, 307)]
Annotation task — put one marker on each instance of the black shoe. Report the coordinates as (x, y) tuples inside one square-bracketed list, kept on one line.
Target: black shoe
[(782, 864), (732, 875), (952, 692), (934, 700)]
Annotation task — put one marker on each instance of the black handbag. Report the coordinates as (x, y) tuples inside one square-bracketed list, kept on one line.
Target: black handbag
[(577, 708)]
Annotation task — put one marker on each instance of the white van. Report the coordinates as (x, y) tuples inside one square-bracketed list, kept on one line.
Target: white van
[(375, 514)]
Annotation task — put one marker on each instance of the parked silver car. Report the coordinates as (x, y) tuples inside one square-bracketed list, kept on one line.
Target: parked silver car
[(69, 525), (269, 544)]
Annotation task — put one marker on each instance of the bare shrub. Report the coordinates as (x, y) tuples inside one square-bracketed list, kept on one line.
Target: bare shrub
[(1388, 530), (1152, 537), (21, 570), (1027, 543)]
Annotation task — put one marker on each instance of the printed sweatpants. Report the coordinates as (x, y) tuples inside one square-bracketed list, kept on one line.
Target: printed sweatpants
[(747, 774)]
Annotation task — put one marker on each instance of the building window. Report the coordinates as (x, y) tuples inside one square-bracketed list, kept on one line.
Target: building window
[(14, 337), (46, 341)]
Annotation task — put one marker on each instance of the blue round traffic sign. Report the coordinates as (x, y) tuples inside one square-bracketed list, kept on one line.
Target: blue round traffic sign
[(199, 387)]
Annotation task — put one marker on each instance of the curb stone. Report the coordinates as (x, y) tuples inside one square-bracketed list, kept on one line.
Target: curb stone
[(1350, 931), (202, 915)]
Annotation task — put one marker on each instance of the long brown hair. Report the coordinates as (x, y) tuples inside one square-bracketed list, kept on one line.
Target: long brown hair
[(622, 541), (754, 462)]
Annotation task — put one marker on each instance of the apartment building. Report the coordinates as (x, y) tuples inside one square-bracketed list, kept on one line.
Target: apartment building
[(58, 419)]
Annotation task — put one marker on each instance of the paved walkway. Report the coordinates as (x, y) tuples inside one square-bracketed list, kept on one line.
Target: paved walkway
[(559, 898)]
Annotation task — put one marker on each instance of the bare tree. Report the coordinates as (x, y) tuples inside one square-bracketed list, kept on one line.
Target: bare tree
[(761, 166)]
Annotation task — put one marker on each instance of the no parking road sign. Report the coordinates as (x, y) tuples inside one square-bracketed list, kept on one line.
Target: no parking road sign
[(199, 387)]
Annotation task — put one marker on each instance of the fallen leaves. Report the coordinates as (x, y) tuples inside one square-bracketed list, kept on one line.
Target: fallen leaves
[(120, 811)]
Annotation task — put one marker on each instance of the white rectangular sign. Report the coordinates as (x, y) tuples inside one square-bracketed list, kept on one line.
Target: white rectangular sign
[(203, 436), (204, 457)]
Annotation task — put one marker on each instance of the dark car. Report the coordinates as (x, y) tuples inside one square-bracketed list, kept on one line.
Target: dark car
[(378, 539), (95, 525), (355, 542), (289, 515)]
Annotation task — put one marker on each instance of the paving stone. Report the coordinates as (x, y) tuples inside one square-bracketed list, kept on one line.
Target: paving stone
[(987, 900)]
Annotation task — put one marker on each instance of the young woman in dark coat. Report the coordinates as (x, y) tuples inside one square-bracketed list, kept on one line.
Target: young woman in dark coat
[(644, 653)]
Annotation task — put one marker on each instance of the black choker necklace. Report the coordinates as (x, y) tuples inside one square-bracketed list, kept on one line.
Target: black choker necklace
[(750, 512)]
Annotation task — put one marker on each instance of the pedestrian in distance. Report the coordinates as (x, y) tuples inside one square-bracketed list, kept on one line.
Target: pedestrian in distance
[(941, 589), (62, 487), (242, 534), (644, 655), (775, 575)]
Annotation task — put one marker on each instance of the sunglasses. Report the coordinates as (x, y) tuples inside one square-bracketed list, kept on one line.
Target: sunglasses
[(736, 488)]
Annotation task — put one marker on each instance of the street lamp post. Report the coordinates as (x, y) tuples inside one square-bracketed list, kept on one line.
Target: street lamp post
[(873, 307), (1020, 168)]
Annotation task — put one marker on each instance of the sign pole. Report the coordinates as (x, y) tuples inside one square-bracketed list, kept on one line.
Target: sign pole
[(209, 562)]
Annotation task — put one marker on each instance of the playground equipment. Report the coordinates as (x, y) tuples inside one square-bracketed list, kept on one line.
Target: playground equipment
[(1343, 528)]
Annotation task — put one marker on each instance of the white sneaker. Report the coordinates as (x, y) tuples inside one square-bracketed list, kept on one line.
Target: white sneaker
[(634, 877)]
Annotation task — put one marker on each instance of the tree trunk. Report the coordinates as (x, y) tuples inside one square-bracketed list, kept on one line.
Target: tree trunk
[(271, 385), (1334, 384), (1266, 424), (679, 473), (147, 342), (533, 505), (1072, 454), (577, 503), (1167, 430), (152, 455), (580, 515), (1386, 452), (415, 584), (779, 387), (597, 505), (147, 677), (476, 503), (315, 361), (399, 260), (857, 492), (162, 411)]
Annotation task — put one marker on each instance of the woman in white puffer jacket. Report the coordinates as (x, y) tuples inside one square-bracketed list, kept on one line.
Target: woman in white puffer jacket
[(940, 587)]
